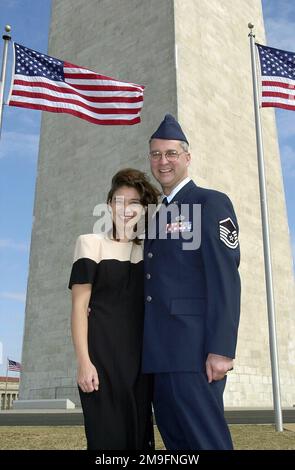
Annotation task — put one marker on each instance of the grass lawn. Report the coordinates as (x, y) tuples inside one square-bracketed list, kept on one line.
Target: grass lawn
[(73, 438)]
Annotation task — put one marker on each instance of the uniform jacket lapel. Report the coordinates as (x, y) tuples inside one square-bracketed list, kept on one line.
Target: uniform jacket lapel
[(178, 199)]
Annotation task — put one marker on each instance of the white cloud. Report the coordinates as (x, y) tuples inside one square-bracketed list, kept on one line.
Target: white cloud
[(19, 144), (19, 296), (8, 243)]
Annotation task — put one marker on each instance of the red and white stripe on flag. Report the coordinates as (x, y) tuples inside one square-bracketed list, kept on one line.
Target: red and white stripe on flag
[(49, 84)]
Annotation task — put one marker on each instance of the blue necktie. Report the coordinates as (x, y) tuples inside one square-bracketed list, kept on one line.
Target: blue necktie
[(165, 201)]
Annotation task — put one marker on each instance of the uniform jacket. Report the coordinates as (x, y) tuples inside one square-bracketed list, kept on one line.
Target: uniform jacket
[(192, 297)]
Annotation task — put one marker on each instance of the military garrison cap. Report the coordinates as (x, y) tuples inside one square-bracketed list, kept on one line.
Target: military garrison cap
[(169, 129)]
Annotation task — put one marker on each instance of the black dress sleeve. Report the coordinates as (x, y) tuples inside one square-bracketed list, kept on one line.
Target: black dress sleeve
[(85, 261)]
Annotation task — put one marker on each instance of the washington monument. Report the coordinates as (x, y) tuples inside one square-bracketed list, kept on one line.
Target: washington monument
[(193, 57)]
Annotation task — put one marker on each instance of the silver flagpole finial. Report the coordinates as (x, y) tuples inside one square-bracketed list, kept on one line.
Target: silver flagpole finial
[(251, 26)]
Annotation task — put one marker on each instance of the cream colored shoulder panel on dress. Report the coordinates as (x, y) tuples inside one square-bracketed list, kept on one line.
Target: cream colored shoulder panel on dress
[(137, 253), (88, 246), (112, 249)]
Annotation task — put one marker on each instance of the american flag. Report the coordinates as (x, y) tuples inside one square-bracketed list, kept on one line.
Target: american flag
[(13, 365), (277, 74), (43, 82)]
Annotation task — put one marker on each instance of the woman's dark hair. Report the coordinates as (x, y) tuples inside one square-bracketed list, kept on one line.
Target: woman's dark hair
[(138, 180)]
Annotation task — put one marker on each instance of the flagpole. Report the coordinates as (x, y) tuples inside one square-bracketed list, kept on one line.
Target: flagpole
[(266, 246), (6, 385), (6, 38)]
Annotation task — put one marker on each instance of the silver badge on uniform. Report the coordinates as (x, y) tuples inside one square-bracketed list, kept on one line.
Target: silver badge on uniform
[(228, 233)]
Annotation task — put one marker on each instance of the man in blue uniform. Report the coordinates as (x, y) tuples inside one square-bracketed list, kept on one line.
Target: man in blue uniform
[(192, 299)]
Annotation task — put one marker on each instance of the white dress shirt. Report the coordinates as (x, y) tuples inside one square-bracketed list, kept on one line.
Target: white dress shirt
[(176, 189)]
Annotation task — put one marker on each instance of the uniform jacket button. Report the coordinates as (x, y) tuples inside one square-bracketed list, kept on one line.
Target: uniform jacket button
[(148, 276), (149, 298), (150, 255)]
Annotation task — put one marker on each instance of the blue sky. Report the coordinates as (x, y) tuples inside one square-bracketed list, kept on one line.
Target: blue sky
[(19, 152)]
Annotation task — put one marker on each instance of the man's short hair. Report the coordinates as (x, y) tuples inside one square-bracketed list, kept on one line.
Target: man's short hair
[(184, 145)]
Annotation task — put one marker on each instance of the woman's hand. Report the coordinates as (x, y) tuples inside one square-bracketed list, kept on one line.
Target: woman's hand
[(87, 377)]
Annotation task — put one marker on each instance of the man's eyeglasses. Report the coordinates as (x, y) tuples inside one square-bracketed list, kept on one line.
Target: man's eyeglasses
[(170, 155)]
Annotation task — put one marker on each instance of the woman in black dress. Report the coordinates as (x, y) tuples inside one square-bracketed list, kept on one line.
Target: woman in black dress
[(107, 278)]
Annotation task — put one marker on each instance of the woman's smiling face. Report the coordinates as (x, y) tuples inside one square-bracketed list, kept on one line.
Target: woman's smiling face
[(126, 207)]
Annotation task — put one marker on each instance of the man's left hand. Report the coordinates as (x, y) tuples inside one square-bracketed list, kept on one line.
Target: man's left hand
[(217, 366)]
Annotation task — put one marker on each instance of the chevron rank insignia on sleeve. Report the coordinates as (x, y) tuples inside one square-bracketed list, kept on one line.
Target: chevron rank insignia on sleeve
[(228, 233)]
